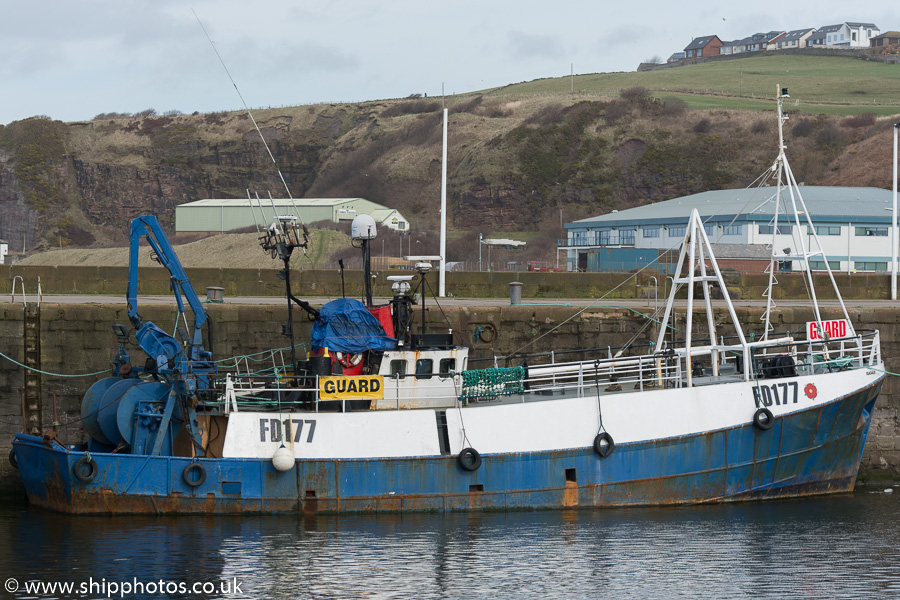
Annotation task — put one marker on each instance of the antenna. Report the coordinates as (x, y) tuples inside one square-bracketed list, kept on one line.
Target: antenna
[(252, 119)]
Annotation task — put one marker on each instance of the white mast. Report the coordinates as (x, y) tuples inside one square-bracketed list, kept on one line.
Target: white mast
[(442, 284), (797, 208)]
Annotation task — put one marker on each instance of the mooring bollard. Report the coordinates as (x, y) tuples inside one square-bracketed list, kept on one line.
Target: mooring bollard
[(515, 293), (215, 294)]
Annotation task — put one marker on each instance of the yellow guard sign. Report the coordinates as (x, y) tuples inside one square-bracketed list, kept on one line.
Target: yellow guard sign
[(361, 386)]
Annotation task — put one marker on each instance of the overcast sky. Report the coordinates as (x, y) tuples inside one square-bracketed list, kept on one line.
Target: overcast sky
[(71, 60)]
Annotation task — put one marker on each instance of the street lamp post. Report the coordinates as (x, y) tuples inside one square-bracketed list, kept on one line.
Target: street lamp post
[(479, 251), (895, 240)]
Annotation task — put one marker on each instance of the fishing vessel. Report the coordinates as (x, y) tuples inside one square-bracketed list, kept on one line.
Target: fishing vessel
[(383, 415)]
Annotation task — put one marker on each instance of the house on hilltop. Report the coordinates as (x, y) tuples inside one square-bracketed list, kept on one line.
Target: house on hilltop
[(791, 40), (731, 47), (760, 41), (703, 46), (888, 38), (844, 35)]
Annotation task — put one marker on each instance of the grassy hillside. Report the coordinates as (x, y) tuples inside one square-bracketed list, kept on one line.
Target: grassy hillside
[(523, 159), (829, 84)]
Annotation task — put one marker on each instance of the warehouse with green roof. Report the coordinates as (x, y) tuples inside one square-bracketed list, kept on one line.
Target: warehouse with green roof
[(228, 214)]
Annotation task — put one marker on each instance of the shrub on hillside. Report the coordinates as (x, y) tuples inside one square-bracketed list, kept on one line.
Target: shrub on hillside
[(760, 126), (635, 94), (547, 115), (863, 120), (830, 136), (702, 126), (804, 128), (413, 107), (616, 110), (468, 105), (673, 106)]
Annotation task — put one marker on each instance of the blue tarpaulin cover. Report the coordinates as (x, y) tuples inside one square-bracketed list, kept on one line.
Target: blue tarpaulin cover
[(346, 325)]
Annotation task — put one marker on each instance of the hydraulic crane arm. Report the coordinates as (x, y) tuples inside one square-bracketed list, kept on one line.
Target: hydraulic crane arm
[(154, 341)]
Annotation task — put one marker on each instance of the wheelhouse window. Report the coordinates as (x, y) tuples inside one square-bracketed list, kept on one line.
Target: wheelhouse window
[(446, 366), (424, 368), (398, 368)]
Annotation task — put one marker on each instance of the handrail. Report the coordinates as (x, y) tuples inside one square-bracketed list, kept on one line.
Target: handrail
[(13, 294)]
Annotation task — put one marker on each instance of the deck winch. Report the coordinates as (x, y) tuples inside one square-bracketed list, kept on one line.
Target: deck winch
[(127, 413)]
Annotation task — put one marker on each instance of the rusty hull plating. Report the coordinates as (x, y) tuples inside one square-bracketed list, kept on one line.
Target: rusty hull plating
[(809, 452)]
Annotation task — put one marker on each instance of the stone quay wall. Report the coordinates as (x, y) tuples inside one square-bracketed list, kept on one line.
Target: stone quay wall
[(78, 339)]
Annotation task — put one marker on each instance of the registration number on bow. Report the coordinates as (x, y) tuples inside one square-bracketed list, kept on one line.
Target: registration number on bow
[(776, 393)]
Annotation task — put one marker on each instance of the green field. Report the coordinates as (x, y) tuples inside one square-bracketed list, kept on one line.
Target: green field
[(834, 85)]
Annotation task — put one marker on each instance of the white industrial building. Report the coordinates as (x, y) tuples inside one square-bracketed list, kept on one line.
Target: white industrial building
[(852, 225), (227, 214)]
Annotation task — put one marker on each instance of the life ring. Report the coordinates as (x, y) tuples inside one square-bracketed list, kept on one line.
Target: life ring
[(486, 333), (469, 459), (763, 418), (78, 469), (13, 460), (347, 360), (604, 444), (201, 474)]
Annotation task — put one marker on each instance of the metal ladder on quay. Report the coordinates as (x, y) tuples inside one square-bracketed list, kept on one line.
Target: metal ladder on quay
[(32, 407)]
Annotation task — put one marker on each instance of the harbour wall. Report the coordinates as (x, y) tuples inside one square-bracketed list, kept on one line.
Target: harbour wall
[(78, 339), (465, 284)]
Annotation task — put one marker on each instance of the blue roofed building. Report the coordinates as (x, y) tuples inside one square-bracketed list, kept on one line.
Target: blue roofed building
[(851, 223)]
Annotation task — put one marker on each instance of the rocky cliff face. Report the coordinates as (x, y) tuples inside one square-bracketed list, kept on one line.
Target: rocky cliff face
[(515, 163)]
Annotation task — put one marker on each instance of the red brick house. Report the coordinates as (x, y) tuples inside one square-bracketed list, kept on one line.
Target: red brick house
[(703, 46)]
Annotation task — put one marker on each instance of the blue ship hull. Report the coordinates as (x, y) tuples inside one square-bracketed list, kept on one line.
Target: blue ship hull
[(808, 452)]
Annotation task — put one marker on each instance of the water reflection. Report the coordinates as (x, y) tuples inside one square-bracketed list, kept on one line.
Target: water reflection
[(831, 547)]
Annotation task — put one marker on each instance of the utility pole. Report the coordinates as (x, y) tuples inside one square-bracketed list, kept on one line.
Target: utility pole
[(442, 282), (895, 240), (572, 77)]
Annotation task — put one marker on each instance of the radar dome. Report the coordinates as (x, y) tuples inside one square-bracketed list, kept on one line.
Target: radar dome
[(363, 228)]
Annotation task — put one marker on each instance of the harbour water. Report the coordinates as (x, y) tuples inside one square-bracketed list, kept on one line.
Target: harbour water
[(832, 547)]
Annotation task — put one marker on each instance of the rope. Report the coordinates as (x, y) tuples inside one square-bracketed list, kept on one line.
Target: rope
[(597, 384), (14, 361), (761, 179)]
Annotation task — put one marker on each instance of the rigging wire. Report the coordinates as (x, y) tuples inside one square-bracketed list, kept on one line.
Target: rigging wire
[(758, 182), (249, 112)]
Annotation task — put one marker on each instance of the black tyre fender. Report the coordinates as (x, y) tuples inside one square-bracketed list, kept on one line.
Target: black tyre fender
[(469, 459), (604, 444), (763, 418), (201, 474), (79, 469), (13, 460)]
